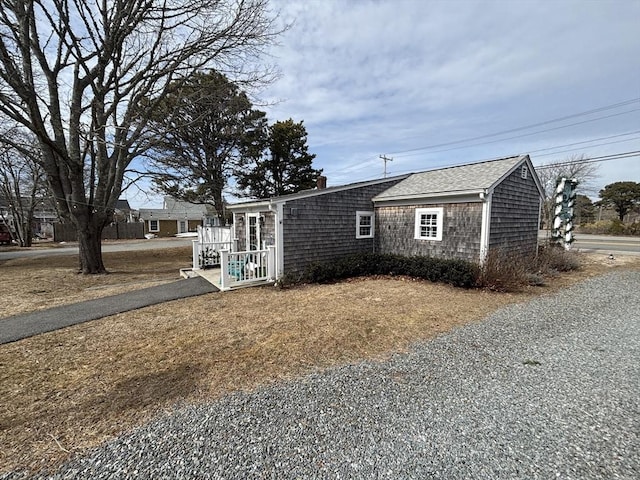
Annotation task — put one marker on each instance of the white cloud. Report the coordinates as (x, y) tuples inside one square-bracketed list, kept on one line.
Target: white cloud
[(371, 77)]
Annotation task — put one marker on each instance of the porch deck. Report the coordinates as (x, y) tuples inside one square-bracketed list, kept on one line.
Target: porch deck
[(216, 259), (212, 275)]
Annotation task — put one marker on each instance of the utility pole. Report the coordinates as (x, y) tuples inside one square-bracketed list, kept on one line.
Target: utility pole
[(386, 159)]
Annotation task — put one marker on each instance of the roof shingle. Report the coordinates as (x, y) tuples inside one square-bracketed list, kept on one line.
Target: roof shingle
[(473, 177)]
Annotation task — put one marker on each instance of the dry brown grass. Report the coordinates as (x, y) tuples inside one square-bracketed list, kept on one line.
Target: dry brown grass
[(30, 284), (65, 391)]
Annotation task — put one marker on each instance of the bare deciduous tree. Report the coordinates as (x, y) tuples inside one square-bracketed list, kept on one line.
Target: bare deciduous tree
[(22, 182), (76, 72), (576, 166)]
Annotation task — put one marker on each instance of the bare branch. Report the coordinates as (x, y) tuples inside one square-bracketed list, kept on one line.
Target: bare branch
[(77, 73)]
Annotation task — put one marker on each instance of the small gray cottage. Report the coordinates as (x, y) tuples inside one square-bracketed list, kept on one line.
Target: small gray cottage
[(457, 212), (462, 212)]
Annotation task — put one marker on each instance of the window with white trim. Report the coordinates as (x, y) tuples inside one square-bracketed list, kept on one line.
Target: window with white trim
[(524, 173), (154, 226), (428, 224), (364, 225)]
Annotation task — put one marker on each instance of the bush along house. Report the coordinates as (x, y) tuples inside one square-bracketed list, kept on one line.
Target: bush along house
[(459, 212)]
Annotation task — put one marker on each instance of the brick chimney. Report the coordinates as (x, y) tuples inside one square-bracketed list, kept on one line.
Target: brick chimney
[(321, 182)]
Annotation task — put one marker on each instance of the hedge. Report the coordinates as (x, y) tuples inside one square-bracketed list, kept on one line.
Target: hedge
[(458, 273)]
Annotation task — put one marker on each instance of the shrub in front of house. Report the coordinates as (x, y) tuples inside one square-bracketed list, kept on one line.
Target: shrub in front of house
[(504, 271), (454, 272), (554, 258)]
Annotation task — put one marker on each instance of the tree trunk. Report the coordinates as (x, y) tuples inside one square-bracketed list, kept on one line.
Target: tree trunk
[(27, 233), (90, 247), (219, 206)]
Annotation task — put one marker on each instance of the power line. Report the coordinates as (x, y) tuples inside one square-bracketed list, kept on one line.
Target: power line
[(526, 134), (558, 152), (603, 158), (599, 159), (587, 112), (526, 127), (588, 141), (554, 147)]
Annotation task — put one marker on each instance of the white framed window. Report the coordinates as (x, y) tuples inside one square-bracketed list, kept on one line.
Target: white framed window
[(154, 226), (428, 224), (524, 173), (364, 224)]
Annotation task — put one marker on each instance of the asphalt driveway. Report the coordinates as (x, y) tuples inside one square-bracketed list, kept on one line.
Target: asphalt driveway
[(27, 325)]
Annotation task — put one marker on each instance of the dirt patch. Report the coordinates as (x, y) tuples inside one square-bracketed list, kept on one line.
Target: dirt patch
[(65, 391)]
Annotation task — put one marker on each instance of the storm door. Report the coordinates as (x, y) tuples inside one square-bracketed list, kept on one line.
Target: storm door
[(253, 232)]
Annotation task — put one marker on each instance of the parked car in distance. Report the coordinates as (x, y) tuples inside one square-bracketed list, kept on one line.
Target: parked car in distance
[(5, 235)]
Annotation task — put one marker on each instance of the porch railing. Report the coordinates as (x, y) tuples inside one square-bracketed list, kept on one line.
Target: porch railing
[(207, 254), (243, 268)]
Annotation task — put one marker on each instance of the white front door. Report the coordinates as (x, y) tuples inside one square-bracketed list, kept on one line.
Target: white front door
[(183, 226)]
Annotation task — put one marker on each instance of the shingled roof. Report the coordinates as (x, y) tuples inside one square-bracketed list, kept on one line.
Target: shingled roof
[(458, 180)]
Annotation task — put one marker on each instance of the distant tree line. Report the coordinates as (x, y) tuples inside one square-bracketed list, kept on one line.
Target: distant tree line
[(622, 197)]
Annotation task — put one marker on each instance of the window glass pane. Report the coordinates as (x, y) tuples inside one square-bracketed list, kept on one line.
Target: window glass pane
[(364, 225), (428, 225)]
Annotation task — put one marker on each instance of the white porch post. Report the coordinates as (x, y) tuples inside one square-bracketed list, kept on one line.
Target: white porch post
[(196, 254), (271, 262), (279, 263), (224, 269)]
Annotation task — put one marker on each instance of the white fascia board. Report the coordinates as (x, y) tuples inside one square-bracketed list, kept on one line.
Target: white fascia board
[(444, 197), (250, 207), (524, 159), (485, 228)]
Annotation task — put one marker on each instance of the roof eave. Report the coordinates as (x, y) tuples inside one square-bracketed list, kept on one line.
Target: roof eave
[(252, 205), (421, 196)]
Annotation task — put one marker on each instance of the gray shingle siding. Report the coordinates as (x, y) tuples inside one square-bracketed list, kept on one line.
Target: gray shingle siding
[(322, 228), (515, 210), (461, 227)]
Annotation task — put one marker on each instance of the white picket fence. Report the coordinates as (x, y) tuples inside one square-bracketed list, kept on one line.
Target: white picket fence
[(207, 254), (206, 250), (245, 268), (214, 234)]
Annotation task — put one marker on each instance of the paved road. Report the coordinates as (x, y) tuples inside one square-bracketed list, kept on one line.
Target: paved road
[(603, 243), (108, 246)]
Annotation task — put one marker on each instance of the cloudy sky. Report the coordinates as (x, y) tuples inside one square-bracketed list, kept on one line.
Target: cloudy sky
[(433, 83), (445, 82)]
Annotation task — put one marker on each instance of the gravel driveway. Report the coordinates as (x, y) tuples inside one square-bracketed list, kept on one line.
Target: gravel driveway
[(547, 389)]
